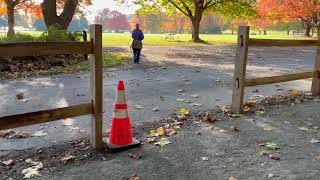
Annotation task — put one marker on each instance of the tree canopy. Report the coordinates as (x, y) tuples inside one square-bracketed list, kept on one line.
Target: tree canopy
[(195, 9)]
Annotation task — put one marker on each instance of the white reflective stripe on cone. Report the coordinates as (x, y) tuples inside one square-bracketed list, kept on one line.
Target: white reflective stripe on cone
[(120, 113)]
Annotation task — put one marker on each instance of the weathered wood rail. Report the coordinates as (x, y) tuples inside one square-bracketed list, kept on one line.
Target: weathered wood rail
[(94, 48), (239, 78)]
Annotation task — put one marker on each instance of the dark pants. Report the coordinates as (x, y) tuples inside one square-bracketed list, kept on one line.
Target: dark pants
[(136, 55)]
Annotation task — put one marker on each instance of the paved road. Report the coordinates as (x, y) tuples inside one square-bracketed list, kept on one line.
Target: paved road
[(203, 70)]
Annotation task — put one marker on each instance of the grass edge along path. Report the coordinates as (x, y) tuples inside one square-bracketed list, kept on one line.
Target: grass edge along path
[(109, 60)]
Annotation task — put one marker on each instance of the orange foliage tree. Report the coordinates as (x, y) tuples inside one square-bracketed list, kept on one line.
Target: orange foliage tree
[(8, 7)]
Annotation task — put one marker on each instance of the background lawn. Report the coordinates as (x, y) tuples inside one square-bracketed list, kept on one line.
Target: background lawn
[(121, 39)]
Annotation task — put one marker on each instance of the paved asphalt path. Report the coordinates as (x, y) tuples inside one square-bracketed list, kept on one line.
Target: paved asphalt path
[(203, 70)]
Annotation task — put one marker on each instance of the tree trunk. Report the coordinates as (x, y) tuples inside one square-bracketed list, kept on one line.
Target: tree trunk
[(288, 32), (49, 11), (196, 31), (318, 32), (264, 32), (308, 29), (232, 31), (10, 11), (196, 19)]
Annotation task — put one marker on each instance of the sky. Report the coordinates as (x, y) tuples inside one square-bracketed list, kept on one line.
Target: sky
[(101, 4)]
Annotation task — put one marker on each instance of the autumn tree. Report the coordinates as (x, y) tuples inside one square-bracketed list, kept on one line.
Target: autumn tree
[(195, 9), (102, 17), (306, 11), (138, 19), (112, 20), (211, 23), (8, 7)]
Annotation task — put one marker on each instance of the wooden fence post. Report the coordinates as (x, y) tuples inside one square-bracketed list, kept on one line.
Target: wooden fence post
[(315, 89), (240, 69), (96, 85), (84, 36)]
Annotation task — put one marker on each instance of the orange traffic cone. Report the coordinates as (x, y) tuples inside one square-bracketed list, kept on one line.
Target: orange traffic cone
[(121, 133)]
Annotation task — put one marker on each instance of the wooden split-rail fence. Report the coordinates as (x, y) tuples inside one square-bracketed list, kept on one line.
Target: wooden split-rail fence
[(94, 108), (239, 80)]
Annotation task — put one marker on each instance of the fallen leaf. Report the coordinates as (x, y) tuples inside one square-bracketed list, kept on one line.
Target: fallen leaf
[(10, 162), (5, 133), (155, 109), (184, 112), (138, 107), (160, 131), (29, 160), (294, 93), (180, 90), (303, 128), (75, 128), (152, 133), (33, 171), (246, 108), (169, 132), (232, 178), (196, 104), (235, 115), (194, 95), (314, 141), (260, 113), (207, 116), (272, 146), (180, 99), (205, 158), (217, 129), (134, 176), (18, 135), (39, 134), (68, 157), (20, 96), (150, 140), (270, 175), (197, 133), (274, 157), (136, 156), (163, 142), (263, 152), (235, 128)]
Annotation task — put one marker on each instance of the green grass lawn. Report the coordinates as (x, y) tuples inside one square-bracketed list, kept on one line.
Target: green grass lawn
[(121, 39), (118, 39)]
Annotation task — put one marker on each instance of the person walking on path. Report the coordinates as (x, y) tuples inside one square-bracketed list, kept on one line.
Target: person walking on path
[(136, 45)]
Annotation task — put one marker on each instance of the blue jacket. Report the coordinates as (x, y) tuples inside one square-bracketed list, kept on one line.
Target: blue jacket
[(137, 34)]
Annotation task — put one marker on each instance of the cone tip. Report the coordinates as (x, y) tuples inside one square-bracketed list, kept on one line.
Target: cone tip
[(121, 85)]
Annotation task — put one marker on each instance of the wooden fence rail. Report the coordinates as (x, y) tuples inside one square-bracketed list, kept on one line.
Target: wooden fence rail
[(239, 78), (94, 48)]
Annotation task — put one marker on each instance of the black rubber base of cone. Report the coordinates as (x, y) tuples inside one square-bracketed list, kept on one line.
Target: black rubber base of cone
[(116, 148)]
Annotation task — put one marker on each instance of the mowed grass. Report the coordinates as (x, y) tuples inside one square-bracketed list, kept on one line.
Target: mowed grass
[(122, 39)]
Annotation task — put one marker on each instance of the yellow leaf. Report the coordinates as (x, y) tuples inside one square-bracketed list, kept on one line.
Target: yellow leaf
[(152, 133), (160, 131), (294, 93), (184, 112)]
